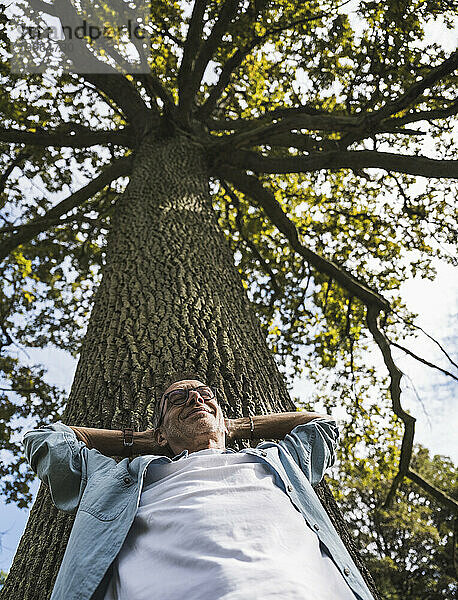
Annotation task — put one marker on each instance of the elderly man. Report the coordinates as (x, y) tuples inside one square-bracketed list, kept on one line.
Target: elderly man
[(209, 523)]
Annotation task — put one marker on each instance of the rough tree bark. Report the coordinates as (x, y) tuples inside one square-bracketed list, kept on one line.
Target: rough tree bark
[(170, 299)]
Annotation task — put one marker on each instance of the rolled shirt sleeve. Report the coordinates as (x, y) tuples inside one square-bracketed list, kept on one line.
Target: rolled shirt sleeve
[(59, 459), (313, 447)]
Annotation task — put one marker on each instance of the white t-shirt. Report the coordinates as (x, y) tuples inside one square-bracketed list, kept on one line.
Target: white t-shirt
[(215, 526)]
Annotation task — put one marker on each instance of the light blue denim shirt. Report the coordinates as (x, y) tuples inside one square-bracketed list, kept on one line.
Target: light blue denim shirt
[(105, 495)]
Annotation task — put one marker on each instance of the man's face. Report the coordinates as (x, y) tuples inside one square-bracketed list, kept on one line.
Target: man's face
[(196, 421)]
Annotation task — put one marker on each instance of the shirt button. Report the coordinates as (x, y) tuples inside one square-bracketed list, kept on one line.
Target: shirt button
[(347, 571), (127, 480), (316, 527), (289, 488), (263, 453)]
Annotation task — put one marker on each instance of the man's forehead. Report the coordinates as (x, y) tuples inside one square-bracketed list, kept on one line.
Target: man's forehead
[(184, 383)]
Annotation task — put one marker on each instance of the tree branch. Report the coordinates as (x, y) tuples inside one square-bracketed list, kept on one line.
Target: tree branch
[(434, 75), (206, 52), (443, 350), (26, 232), (425, 115), (217, 89), (303, 116), (268, 133), (191, 47), (422, 360), (124, 13), (254, 189), (155, 87), (395, 392), (356, 160), (300, 141), (435, 492), (357, 127), (103, 76), (371, 121), (82, 137), (256, 131), (124, 94), (23, 155)]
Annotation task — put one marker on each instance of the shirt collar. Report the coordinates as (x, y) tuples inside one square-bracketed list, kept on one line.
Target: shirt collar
[(185, 454)]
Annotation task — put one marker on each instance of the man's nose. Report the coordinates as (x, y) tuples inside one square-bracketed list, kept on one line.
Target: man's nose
[(194, 396)]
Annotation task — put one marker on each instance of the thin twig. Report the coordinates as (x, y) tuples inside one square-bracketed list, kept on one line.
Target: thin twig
[(455, 544), (423, 360), (422, 404), (404, 320), (436, 493)]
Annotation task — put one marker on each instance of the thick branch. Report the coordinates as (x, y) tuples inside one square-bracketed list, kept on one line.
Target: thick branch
[(357, 160), (124, 94), (395, 392), (309, 144), (271, 132), (207, 50), (300, 141), (268, 133), (191, 47), (286, 119), (28, 231), (82, 137), (254, 189)]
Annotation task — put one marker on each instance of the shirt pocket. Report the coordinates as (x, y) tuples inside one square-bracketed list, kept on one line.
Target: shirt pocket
[(108, 493)]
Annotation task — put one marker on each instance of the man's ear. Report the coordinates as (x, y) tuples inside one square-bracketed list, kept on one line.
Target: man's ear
[(160, 438)]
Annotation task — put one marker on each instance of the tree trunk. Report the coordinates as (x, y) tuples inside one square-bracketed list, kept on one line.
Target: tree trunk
[(170, 300)]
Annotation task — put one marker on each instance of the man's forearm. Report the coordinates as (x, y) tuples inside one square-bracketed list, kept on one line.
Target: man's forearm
[(274, 426), (111, 441)]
